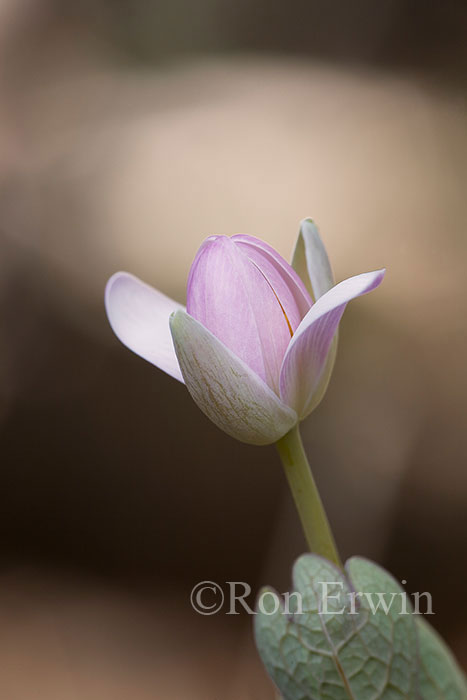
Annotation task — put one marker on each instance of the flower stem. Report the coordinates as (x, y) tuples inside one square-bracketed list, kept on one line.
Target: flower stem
[(306, 496)]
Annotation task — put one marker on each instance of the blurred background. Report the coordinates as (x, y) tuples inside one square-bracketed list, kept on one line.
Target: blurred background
[(129, 131)]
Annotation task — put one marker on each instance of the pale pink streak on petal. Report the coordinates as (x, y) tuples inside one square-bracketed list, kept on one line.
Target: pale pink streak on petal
[(231, 296), (139, 316), (307, 353), (286, 283)]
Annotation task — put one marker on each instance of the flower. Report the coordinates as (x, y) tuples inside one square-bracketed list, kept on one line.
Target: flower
[(256, 343)]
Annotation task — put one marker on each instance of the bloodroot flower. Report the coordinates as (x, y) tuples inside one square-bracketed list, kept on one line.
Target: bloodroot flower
[(256, 343)]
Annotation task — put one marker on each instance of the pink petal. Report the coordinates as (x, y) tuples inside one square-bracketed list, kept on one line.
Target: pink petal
[(231, 295), (139, 316), (308, 350), (286, 283)]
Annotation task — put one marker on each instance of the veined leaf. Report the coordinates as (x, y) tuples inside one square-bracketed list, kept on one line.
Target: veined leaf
[(338, 646), (440, 678)]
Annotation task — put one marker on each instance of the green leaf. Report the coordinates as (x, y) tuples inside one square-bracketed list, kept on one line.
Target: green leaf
[(362, 652), (440, 677), (376, 649)]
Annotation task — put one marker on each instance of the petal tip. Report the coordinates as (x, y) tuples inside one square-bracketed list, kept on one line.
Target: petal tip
[(138, 315), (378, 276), (176, 316), (110, 286), (117, 277)]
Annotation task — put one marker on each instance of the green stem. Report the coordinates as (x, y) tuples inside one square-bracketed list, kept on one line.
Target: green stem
[(306, 496)]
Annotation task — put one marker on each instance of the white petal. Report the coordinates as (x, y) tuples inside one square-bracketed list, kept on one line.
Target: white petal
[(307, 357), (139, 316), (310, 260), (231, 394)]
